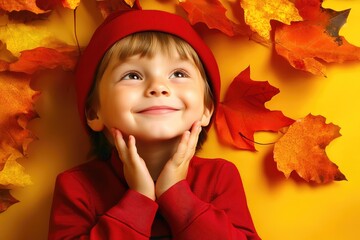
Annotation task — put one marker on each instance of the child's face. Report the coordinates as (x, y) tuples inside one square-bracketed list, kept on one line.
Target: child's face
[(155, 98)]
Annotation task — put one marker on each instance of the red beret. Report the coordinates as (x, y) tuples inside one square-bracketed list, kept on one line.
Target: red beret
[(124, 23)]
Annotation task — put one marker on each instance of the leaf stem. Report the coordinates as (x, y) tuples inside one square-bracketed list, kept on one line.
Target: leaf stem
[(75, 32), (243, 136)]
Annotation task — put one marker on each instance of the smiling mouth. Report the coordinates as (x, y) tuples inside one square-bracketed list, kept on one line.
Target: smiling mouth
[(158, 110)]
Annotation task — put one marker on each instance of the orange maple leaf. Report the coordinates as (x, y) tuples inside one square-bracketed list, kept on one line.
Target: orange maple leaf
[(242, 112), (302, 149), (212, 13), (17, 101), (40, 58), (317, 37), (17, 109), (20, 5), (51, 4), (17, 96)]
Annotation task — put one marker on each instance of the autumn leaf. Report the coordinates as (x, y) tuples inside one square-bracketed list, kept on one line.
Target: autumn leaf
[(242, 113), (302, 149), (304, 43), (19, 37), (6, 57), (16, 107), (52, 4), (72, 4), (6, 200), (258, 14), (109, 6), (13, 174), (40, 58), (212, 13), (20, 5)]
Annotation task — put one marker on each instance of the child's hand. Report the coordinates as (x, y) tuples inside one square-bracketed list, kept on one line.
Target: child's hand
[(136, 173), (176, 168)]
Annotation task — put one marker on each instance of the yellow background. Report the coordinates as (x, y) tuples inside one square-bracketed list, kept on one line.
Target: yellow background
[(281, 208)]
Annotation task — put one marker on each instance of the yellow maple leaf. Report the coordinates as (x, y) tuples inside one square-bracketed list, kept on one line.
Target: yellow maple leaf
[(72, 4), (19, 37), (259, 13), (13, 174)]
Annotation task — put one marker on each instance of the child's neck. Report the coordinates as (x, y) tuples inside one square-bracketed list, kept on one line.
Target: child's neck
[(156, 154)]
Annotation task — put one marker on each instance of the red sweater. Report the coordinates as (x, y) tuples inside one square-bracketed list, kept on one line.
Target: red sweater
[(93, 201)]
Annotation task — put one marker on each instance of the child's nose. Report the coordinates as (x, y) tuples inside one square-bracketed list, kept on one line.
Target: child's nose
[(157, 89)]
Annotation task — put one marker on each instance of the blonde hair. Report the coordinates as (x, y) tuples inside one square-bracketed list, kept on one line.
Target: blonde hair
[(145, 44)]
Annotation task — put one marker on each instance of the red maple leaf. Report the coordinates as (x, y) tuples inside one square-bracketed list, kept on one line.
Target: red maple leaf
[(212, 13), (40, 58), (242, 113)]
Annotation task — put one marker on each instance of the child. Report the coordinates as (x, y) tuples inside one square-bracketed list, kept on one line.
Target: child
[(155, 89)]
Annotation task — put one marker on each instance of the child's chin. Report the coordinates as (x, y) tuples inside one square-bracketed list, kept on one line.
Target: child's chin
[(161, 136)]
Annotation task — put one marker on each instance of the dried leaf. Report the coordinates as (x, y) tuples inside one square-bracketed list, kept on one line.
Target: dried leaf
[(26, 16), (19, 37), (6, 200), (258, 14), (20, 5), (13, 174), (109, 6), (302, 149), (303, 44), (5, 54), (6, 57), (51, 4), (16, 109), (4, 66), (72, 4), (24, 54), (40, 58), (242, 113), (212, 13)]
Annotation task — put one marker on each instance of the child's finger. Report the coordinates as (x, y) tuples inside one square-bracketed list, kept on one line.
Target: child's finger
[(120, 145), (181, 151), (194, 137), (187, 145), (133, 154)]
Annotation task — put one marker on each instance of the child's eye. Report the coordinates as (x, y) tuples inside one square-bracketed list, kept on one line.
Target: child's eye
[(131, 76), (179, 74)]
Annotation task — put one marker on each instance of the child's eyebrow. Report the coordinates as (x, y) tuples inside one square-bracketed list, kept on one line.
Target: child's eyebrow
[(175, 60), (180, 60)]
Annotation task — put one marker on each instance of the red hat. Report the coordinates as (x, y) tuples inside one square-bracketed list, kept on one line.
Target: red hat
[(124, 23)]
